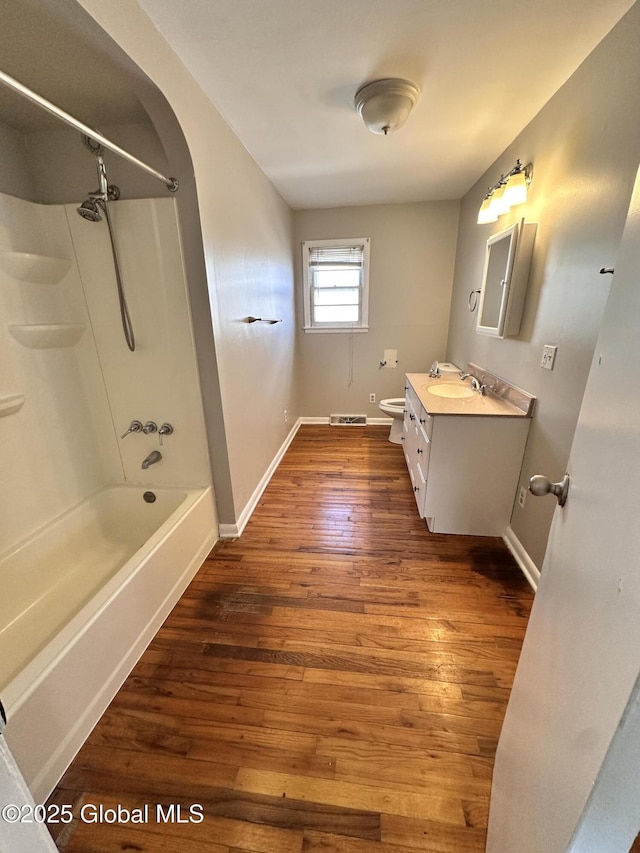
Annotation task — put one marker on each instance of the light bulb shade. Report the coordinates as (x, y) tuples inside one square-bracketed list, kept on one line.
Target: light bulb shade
[(498, 204), (485, 214), (385, 104), (516, 189)]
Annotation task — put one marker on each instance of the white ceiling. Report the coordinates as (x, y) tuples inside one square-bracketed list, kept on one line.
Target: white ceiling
[(284, 73)]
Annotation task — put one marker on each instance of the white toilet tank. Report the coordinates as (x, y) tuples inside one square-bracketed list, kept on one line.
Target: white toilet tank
[(448, 367)]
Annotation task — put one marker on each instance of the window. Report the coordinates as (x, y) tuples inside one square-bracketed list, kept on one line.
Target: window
[(335, 277)]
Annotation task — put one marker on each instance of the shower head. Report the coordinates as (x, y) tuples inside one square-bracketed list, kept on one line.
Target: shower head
[(89, 210), (97, 201), (93, 146)]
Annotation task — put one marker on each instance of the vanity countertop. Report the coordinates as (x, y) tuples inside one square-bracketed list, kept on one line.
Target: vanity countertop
[(477, 404)]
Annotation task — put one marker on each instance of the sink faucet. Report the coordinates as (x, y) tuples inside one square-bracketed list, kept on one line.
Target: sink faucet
[(475, 383), (153, 457)]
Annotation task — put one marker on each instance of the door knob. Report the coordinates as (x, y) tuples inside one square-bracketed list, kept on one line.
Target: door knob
[(539, 485)]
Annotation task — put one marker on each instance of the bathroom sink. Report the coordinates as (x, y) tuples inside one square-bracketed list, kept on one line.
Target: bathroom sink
[(452, 390)]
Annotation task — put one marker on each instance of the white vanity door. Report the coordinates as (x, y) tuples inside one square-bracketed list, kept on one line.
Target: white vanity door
[(423, 452)]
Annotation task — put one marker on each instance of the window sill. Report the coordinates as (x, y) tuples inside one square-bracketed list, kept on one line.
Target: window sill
[(348, 330)]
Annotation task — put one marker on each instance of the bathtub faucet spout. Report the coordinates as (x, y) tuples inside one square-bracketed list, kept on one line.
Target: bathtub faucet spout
[(154, 456)]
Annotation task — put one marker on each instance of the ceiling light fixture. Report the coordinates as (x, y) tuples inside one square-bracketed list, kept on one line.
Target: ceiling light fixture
[(509, 191), (385, 104)]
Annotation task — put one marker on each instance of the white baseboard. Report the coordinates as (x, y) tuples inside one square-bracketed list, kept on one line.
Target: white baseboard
[(370, 421), (232, 531), (522, 558)]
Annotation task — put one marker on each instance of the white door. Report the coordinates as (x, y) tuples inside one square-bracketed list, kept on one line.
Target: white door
[(21, 824), (581, 655)]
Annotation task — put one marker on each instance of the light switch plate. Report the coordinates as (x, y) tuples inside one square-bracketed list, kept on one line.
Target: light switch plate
[(548, 356)]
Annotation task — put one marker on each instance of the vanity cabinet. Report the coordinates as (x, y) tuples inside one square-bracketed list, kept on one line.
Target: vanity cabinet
[(464, 468), (416, 440)]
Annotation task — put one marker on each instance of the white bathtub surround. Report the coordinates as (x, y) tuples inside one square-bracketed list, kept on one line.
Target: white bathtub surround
[(89, 570), (59, 446), (159, 382), (82, 599)]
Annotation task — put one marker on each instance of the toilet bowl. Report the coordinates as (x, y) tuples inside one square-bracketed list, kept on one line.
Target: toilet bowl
[(394, 407)]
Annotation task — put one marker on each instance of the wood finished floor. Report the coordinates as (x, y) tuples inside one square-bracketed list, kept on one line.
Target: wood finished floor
[(332, 682)]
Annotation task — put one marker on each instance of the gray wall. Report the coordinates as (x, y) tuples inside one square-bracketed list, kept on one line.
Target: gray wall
[(585, 149), (411, 274)]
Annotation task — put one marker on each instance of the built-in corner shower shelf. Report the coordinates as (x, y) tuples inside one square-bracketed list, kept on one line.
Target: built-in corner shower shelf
[(39, 269), (11, 404), (49, 336)]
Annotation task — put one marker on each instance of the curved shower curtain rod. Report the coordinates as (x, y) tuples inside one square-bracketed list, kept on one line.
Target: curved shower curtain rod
[(170, 183)]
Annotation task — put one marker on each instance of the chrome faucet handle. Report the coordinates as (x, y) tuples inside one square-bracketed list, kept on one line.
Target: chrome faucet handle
[(475, 383), (134, 426), (149, 427), (165, 429)]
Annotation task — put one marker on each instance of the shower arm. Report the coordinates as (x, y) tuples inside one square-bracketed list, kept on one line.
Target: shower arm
[(170, 183)]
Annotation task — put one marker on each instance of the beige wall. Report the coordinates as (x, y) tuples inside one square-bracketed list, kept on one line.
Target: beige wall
[(247, 238), (585, 148), (411, 274)]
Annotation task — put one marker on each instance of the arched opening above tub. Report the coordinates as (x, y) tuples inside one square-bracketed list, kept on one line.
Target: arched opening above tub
[(94, 136), (72, 400)]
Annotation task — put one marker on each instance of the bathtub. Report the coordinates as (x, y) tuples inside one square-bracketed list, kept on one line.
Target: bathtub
[(81, 600)]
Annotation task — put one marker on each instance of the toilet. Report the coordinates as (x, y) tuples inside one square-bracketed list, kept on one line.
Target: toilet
[(394, 406)]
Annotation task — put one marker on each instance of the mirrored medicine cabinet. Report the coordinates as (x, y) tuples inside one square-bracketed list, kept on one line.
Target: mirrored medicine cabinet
[(505, 278)]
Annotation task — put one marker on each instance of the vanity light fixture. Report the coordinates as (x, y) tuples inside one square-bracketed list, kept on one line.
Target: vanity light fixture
[(384, 105), (498, 203), (506, 193), (486, 214)]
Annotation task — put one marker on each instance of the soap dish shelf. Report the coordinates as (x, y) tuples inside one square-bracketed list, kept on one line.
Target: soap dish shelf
[(37, 269), (48, 336), (11, 404)]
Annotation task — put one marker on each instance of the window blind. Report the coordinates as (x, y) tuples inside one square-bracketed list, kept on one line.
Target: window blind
[(351, 256)]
